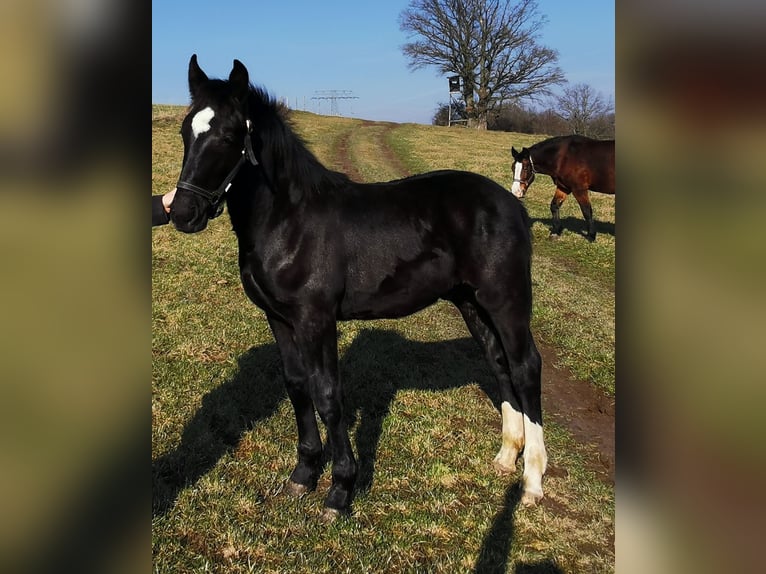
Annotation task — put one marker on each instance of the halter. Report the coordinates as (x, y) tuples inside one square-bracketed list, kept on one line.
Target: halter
[(532, 168), (215, 196)]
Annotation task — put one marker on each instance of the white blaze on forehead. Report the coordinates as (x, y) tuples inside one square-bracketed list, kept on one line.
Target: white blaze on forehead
[(201, 121), (516, 186)]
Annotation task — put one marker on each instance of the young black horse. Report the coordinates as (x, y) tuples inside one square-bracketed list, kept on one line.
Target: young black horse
[(316, 247), (576, 164)]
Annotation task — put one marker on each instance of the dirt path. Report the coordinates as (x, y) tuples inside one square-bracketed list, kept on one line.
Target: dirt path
[(580, 407), (343, 158)]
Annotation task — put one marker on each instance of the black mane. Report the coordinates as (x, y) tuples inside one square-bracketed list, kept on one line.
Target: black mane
[(290, 166)]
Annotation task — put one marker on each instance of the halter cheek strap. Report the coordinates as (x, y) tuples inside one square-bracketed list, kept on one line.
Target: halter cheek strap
[(532, 167), (215, 196)]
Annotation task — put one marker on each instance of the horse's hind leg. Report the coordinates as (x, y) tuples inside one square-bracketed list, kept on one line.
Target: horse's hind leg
[(583, 199), (558, 198), (525, 365), (480, 326)]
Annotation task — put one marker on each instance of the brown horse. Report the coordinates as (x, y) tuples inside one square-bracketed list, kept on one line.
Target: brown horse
[(576, 164)]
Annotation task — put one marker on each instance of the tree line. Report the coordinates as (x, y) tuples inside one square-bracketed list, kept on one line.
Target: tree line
[(579, 110)]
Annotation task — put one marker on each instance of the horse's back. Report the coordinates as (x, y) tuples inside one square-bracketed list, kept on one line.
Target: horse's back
[(468, 208), (593, 161), (412, 241)]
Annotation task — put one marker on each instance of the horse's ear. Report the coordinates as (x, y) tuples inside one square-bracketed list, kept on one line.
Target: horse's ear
[(196, 76), (514, 153), (239, 80)]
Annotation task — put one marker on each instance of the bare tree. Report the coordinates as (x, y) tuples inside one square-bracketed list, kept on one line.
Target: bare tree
[(586, 111), (491, 44)]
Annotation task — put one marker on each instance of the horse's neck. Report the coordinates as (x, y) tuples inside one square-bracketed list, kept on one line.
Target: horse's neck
[(250, 204), (542, 160)]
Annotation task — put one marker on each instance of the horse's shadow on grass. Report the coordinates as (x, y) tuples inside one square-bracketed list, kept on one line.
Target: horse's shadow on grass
[(576, 225), (376, 366), (227, 412)]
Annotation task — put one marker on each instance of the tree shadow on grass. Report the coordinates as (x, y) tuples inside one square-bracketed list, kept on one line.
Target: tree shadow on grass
[(493, 556), (496, 547)]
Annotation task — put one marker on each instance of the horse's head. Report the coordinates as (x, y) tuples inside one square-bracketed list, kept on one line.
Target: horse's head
[(216, 136), (523, 172)]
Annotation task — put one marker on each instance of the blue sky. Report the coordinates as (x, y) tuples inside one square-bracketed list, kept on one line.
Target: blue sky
[(298, 47)]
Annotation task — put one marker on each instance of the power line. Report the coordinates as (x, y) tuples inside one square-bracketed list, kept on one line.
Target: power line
[(334, 96)]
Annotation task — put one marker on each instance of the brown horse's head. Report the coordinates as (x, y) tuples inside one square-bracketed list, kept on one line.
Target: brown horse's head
[(523, 172)]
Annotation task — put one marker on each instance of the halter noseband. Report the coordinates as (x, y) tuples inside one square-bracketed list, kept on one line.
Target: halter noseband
[(215, 196), (532, 168)]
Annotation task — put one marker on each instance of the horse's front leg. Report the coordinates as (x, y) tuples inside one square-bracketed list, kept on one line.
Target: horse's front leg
[(306, 473), (316, 336), (558, 198)]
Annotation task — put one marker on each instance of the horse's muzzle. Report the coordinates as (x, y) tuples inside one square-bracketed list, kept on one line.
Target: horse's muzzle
[(194, 225)]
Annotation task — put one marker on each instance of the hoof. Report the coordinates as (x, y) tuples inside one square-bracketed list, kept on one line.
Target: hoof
[(329, 515), (529, 498), (554, 235), (502, 469), (295, 489)]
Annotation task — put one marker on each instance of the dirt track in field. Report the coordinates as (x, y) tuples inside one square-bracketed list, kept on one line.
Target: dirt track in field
[(577, 405)]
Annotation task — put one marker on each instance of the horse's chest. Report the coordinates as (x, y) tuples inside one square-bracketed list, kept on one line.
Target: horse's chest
[(254, 289), (258, 287), (277, 287)]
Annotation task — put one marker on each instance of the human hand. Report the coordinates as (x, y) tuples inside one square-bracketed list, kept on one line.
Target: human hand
[(167, 199)]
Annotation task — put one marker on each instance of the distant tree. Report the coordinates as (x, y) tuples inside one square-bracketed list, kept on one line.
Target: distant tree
[(602, 126), (491, 44), (586, 111), (550, 123), (512, 118)]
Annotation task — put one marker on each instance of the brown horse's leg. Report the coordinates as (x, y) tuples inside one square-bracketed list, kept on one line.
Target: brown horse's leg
[(587, 212), (558, 199)]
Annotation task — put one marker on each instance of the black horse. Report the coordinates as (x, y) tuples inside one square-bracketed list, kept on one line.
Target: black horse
[(575, 164), (316, 247)]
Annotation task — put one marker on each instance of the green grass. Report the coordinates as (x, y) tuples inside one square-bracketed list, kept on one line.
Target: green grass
[(224, 437)]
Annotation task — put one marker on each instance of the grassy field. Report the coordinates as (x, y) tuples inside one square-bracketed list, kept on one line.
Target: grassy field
[(223, 432)]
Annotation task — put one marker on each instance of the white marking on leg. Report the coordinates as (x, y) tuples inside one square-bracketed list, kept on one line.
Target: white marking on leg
[(513, 438), (516, 186), (201, 121), (535, 462)]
